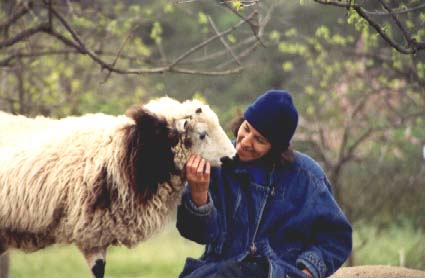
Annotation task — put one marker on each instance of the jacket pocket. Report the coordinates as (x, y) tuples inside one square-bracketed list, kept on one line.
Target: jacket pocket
[(290, 253)]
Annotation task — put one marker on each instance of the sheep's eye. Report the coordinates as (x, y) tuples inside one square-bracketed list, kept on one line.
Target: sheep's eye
[(199, 110), (203, 135)]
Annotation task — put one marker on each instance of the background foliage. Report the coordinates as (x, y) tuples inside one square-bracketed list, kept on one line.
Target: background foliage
[(362, 102)]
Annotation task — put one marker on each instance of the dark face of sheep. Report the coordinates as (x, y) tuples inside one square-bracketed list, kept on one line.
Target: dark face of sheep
[(149, 158)]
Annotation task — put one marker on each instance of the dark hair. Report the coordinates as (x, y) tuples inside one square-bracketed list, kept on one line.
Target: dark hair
[(285, 155)]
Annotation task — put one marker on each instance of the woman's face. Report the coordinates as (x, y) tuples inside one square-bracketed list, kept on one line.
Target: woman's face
[(250, 144)]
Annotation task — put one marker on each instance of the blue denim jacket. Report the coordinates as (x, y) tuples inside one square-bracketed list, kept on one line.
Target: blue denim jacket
[(286, 214)]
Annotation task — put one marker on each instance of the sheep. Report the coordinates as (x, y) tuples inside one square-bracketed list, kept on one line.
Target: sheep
[(100, 180)]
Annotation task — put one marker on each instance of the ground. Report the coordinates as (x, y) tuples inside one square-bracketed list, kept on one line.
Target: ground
[(378, 271)]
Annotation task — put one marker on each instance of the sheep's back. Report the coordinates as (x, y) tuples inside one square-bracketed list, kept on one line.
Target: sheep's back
[(47, 185), (48, 174), (17, 129)]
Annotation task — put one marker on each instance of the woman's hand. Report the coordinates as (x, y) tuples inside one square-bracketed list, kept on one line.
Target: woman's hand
[(308, 273), (198, 176)]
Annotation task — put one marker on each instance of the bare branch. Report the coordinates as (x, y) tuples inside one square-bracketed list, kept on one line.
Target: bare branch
[(49, 4), (224, 41), (207, 41), (356, 143), (162, 69), (337, 4), (43, 27), (254, 26), (243, 54), (410, 50), (23, 11), (222, 52), (128, 37), (200, 72), (75, 36), (8, 60), (406, 35), (319, 151), (398, 11), (80, 46)]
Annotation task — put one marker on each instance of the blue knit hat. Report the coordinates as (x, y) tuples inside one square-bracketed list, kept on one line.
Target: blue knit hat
[(274, 115)]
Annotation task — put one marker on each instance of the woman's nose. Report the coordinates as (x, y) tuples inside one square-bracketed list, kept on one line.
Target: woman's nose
[(246, 141)]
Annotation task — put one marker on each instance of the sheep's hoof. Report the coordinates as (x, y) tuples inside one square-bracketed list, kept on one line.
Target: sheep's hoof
[(98, 269)]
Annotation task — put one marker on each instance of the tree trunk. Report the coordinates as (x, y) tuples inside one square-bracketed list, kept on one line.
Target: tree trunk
[(4, 265)]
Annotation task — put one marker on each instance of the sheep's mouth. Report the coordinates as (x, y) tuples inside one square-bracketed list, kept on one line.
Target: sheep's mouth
[(223, 159), (226, 161)]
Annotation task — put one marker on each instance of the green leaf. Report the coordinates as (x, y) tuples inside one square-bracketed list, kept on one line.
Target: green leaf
[(237, 5), (274, 35), (232, 39), (322, 32), (202, 18), (287, 66), (168, 8), (156, 32), (291, 32)]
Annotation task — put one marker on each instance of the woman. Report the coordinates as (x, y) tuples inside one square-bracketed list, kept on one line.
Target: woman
[(267, 213)]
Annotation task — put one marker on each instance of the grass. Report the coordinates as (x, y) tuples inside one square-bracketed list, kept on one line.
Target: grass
[(164, 255), (397, 245)]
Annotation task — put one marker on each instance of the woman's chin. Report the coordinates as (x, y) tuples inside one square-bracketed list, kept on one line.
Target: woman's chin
[(244, 157)]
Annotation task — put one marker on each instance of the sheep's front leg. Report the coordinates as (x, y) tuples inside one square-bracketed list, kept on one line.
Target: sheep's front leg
[(96, 260), (2, 248)]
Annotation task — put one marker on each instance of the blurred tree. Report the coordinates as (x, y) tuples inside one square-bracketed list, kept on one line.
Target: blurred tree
[(399, 23), (363, 104), (51, 49), (36, 28)]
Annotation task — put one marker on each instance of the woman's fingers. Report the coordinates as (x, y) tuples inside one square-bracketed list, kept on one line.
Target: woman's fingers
[(192, 165), (198, 176), (198, 169), (208, 169), (195, 163), (189, 163)]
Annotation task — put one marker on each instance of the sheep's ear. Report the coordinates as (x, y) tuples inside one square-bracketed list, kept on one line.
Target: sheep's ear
[(181, 125)]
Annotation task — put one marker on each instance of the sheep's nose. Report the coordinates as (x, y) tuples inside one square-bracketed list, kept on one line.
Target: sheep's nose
[(226, 161), (187, 142)]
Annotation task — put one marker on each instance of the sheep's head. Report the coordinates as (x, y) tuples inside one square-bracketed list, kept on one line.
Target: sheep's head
[(203, 133), (199, 125)]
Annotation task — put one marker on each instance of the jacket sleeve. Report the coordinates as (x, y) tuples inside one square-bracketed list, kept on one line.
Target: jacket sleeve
[(199, 224), (332, 234)]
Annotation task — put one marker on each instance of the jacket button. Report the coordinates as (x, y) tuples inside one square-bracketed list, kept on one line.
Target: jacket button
[(272, 192), (253, 249)]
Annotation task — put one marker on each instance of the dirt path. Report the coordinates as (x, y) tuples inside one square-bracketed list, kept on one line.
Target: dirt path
[(378, 271)]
